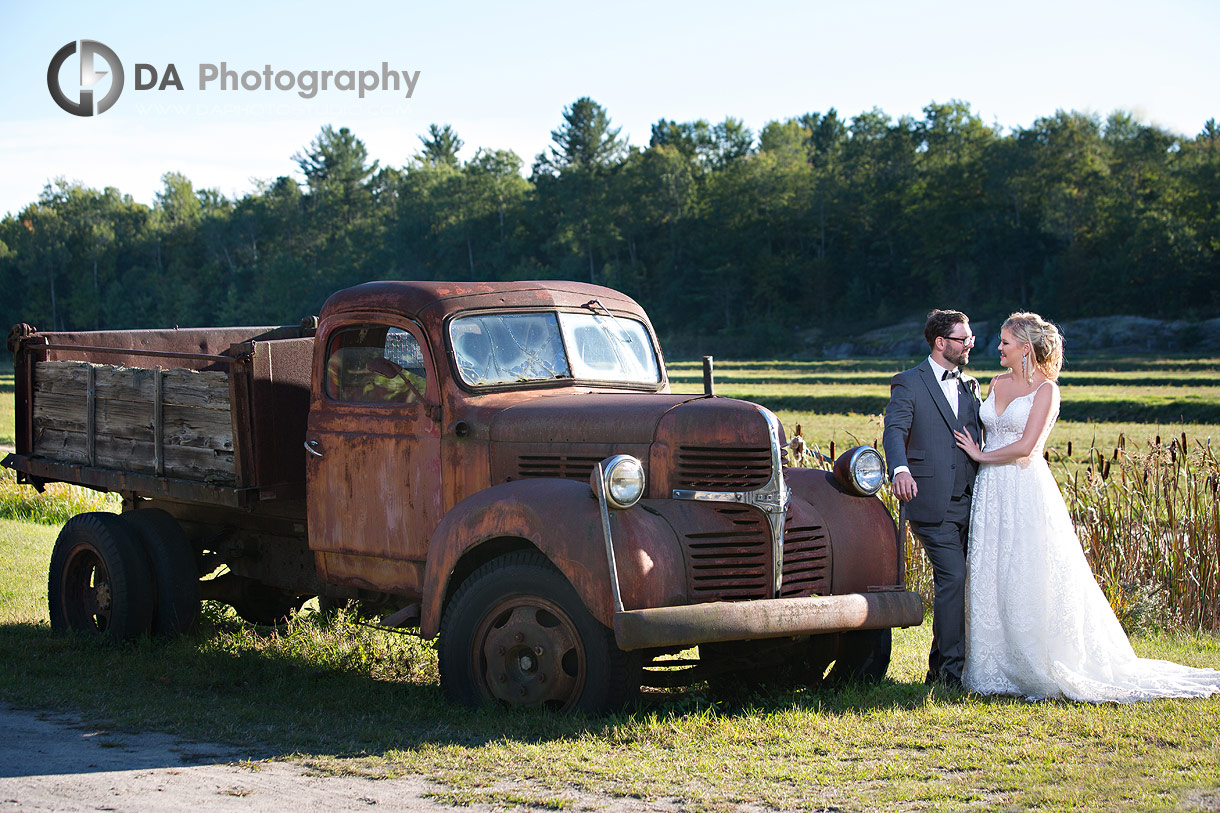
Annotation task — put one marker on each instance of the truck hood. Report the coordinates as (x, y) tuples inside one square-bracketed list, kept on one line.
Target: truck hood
[(684, 441), (618, 418)]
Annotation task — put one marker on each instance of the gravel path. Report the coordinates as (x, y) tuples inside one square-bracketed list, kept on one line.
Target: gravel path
[(54, 762)]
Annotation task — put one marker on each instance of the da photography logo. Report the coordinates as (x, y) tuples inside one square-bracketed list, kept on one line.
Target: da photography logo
[(90, 50)]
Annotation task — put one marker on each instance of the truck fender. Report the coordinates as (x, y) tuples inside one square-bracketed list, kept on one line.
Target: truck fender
[(861, 530), (562, 519)]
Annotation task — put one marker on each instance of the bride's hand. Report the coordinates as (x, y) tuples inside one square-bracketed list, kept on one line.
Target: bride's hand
[(967, 445)]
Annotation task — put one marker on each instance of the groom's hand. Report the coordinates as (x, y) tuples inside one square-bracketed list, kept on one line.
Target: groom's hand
[(904, 486)]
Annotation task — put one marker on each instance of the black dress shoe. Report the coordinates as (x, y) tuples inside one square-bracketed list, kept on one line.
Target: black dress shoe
[(944, 679)]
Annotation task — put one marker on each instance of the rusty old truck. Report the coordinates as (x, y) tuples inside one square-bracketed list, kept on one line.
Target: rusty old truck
[(502, 465)]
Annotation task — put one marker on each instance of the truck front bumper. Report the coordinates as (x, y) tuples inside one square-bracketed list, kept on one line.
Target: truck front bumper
[(692, 624)]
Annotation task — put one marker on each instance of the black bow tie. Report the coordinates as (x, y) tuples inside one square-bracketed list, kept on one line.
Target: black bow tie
[(951, 374)]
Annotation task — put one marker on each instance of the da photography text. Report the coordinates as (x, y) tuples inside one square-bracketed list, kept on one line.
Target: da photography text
[(78, 99)]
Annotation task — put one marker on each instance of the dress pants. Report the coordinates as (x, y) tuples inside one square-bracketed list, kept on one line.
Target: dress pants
[(945, 544)]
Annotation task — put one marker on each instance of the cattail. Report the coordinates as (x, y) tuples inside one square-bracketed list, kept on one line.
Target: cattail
[(1105, 471), (1069, 448), (832, 450)]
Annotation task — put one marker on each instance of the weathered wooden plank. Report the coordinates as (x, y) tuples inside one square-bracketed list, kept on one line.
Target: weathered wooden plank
[(158, 422), (205, 395), (61, 377), (208, 465), (91, 416), (209, 390), (189, 426)]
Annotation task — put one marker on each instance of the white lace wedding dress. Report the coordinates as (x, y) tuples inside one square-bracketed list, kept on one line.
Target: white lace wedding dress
[(1038, 625)]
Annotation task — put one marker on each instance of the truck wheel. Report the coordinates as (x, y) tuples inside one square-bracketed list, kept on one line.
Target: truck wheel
[(861, 655), (175, 575), (99, 581), (750, 665), (517, 632)]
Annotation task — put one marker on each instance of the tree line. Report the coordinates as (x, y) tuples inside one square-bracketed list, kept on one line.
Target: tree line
[(731, 239)]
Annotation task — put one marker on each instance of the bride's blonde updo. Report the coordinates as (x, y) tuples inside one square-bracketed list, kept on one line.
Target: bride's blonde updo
[(1044, 338)]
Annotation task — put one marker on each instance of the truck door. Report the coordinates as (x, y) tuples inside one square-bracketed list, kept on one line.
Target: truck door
[(373, 463)]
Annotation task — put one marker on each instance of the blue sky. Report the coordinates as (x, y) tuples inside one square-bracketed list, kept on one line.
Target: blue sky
[(501, 74)]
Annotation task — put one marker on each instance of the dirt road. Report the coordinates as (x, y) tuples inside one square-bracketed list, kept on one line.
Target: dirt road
[(54, 762)]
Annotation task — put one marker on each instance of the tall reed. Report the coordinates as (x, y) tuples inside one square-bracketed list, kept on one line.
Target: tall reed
[(1149, 521)]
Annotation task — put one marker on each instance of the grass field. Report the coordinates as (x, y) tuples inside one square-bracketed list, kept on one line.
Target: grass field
[(6, 404), (348, 699)]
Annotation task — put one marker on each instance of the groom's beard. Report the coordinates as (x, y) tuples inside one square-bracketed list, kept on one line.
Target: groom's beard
[(959, 356)]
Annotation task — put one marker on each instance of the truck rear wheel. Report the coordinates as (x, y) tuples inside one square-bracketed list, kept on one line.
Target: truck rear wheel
[(99, 581), (175, 575), (516, 632)]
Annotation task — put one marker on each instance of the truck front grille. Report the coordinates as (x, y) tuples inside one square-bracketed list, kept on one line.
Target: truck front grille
[(806, 559), (716, 468), (571, 467), (732, 561)]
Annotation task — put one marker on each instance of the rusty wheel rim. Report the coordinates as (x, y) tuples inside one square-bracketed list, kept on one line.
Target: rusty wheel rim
[(528, 653), (87, 594)]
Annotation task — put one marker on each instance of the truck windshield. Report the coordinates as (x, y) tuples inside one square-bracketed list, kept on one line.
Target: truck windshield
[(526, 347)]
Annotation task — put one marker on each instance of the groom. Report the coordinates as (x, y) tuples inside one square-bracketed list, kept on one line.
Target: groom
[(934, 477)]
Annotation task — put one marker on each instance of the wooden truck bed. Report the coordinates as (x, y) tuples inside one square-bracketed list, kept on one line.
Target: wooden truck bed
[(201, 415), (168, 422)]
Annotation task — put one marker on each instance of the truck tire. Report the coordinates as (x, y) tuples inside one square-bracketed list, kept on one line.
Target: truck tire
[(739, 668), (516, 632), (99, 582), (861, 656), (175, 576)]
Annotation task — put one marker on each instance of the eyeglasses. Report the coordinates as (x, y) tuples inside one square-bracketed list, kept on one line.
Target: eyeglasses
[(967, 341)]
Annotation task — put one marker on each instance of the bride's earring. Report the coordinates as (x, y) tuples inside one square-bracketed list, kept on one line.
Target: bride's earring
[(1024, 364)]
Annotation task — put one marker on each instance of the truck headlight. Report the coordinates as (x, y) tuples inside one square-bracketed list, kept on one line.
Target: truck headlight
[(622, 480), (860, 470)]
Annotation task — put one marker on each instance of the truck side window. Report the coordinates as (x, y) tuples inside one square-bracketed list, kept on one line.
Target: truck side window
[(349, 378)]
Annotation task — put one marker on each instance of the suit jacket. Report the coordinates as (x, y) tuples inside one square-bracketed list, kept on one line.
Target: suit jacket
[(919, 426)]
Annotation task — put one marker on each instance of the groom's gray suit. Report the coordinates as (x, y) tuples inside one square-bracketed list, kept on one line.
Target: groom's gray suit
[(919, 424)]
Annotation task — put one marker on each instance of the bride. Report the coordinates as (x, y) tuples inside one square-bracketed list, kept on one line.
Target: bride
[(1038, 625)]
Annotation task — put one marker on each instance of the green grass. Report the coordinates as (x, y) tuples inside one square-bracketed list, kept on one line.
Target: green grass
[(25, 551), (54, 505), (349, 699), (7, 432)]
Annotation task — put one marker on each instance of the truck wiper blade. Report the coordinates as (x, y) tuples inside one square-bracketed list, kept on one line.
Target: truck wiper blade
[(625, 336)]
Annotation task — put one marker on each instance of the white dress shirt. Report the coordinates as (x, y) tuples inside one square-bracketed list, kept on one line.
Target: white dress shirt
[(947, 385)]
